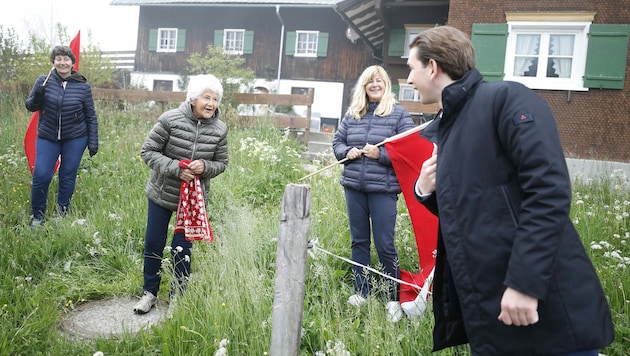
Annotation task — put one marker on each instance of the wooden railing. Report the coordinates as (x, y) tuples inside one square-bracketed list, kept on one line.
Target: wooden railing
[(281, 121)]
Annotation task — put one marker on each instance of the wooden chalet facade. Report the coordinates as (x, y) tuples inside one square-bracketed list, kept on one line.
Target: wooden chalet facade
[(293, 45)]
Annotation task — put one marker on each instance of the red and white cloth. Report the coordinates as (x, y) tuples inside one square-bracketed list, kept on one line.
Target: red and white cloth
[(192, 218)]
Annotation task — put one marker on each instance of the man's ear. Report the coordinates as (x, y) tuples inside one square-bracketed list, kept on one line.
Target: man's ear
[(435, 68)]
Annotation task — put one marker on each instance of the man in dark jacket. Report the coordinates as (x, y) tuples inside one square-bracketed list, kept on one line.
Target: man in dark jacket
[(512, 276)]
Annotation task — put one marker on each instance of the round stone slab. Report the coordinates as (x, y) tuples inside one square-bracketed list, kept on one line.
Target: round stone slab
[(110, 318)]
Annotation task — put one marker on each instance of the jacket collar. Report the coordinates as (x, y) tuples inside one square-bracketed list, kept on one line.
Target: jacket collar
[(454, 95)]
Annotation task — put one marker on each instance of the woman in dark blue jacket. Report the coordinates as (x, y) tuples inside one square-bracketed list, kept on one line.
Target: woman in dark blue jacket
[(66, 126), (369, 181)]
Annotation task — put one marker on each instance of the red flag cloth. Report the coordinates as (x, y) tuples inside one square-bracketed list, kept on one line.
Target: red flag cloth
[(75, 46), (407, 152), (31, 131), (192, 219)]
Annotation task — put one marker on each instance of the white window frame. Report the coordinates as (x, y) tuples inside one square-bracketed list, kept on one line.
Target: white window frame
[(406, 88), (167, 40), (410, 33), (231, 45), (576, 79), (306, 47)]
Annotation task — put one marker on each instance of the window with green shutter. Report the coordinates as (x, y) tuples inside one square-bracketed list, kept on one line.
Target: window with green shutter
[(248, 42), (489, 41), (607, 56)]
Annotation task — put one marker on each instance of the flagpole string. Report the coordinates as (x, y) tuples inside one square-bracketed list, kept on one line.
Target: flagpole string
[(313, 244), (410, 131)]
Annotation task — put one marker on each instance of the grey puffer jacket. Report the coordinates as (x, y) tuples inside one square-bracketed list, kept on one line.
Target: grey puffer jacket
[(65, 113), (366, 174), (179, 135)]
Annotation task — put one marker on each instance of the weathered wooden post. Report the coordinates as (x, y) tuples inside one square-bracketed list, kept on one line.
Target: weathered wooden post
[(288, 301)]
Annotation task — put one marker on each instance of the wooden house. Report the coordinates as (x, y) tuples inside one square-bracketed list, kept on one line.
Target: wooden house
[(573, 53)]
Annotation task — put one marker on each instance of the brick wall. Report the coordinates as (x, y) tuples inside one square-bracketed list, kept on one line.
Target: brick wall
[(593, 124)]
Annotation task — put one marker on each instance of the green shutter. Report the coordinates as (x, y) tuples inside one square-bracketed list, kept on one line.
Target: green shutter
[(322, 44), (607, 56), (153, 38), (181, 40), (396, 42), (289, 47), (489, 41), (218, 38), (248, 42)]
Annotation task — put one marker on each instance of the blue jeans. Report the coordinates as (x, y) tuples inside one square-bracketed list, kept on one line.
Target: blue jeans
[(46, 156), (154, 243), (373, 213)]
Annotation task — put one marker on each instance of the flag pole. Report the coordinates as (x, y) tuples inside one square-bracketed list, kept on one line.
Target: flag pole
[(48, 76), (395, 137)]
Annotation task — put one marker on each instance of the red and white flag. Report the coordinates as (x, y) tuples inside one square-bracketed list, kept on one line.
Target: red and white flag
[(407, 152), (31, 131)]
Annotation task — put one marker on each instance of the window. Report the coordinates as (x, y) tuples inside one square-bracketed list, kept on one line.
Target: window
[(236, 42), (561, 51), (306, 43), (233, 41), (547, 55), (410, 34), (408, 93), (400, 38), (167, 40)]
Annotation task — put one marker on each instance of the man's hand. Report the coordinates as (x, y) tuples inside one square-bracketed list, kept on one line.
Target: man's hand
[(426, 182), (518, 309)]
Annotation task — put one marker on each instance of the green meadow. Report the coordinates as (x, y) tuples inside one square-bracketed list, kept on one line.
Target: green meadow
[(95, 252)]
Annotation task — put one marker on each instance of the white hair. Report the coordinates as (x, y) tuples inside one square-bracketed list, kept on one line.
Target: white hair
[(200, 83)]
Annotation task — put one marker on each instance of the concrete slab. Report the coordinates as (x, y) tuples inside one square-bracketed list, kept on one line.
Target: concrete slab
[(110, 318)]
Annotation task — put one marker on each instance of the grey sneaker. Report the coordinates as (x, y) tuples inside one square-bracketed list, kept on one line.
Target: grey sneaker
[(145, 303), (36, 223)]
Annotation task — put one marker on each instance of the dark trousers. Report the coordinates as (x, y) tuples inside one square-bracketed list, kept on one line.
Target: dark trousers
[(581, 353), (373, 213), (46, 156), (158, 219)]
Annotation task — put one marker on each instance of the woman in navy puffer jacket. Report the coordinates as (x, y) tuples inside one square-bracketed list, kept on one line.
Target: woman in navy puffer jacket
[(369, 181), (67, 124)]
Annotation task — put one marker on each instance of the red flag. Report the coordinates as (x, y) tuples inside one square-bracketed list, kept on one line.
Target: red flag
[(408, 151), (31, 131)]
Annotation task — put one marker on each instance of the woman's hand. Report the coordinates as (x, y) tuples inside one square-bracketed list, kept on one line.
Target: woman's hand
[(354, 153), (196, 166), (371, 151), (187, 174)]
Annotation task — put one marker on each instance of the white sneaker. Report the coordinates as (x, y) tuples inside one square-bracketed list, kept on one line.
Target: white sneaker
[(394, 311), (357, 300), (145, 304), (415, 308)]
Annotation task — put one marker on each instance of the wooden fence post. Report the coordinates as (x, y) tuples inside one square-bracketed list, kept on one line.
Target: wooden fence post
[(288, 301)]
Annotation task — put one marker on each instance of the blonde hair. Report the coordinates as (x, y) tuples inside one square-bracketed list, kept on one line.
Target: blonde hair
[(359, 104)]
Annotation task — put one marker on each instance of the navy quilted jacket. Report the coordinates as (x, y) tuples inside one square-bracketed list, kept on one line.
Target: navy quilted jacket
[(365, 174), (66, 114)]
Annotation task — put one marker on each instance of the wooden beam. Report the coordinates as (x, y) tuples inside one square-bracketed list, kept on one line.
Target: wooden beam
[(291, 264)]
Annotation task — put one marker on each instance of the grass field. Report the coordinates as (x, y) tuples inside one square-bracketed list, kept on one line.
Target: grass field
[(96, 252)]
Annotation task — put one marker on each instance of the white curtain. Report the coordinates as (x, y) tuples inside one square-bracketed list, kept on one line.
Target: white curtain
[(526, 51), (562, 45)]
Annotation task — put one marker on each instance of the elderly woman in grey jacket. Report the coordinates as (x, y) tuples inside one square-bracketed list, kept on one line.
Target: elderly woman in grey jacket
[(190, 134), (370, 184)]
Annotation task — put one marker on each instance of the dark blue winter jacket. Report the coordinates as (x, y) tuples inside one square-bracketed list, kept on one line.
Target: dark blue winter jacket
[(366, 174), (66, 113)]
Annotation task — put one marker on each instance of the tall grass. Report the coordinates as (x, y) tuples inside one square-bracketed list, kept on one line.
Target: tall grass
[(96, 252)]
